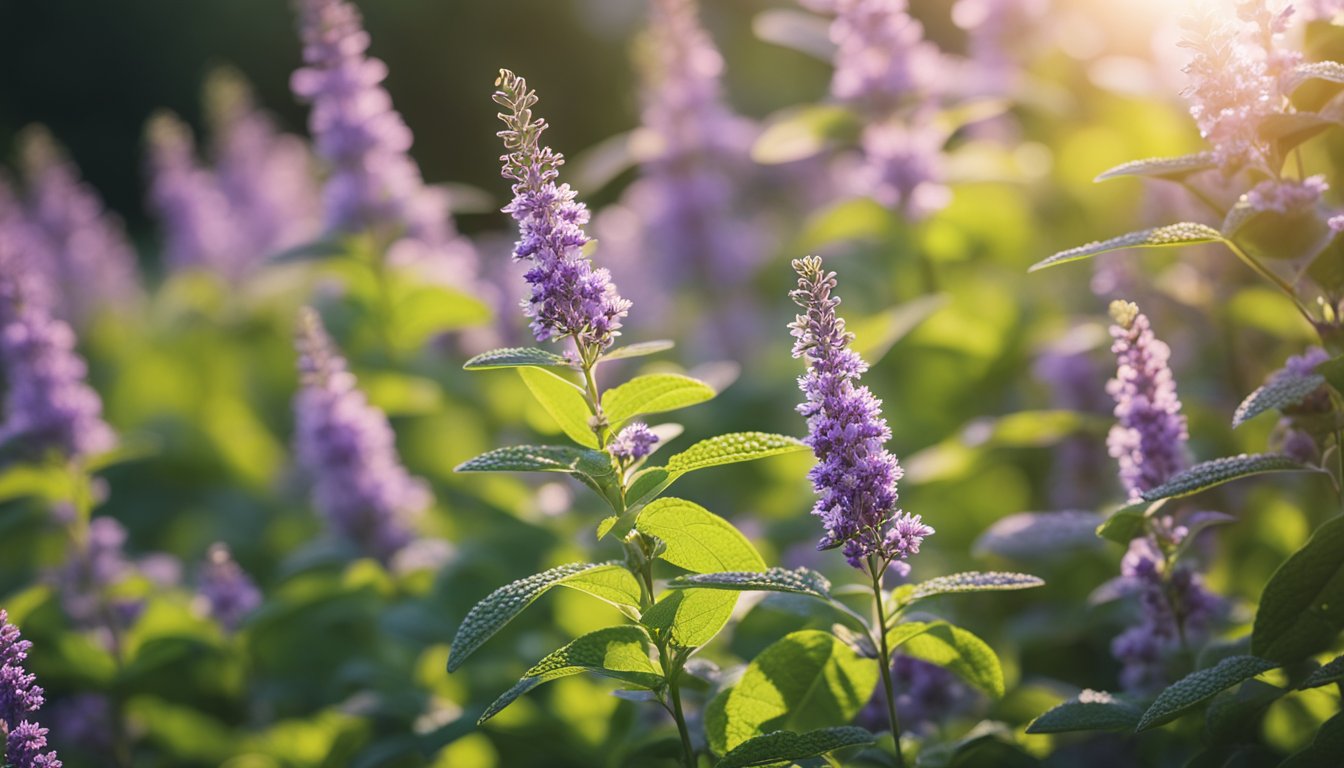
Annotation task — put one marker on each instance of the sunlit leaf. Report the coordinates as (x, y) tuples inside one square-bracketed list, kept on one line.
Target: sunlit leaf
[(1186, 233)]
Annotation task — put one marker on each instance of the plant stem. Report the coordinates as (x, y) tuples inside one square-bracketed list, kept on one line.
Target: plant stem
[(884, 656), (672, 671)]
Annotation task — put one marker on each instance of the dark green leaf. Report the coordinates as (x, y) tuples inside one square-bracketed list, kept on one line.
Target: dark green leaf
[(516, 357), (1209, 474), (1185, 233), (1325, 748), (1302, 608), (801, 581), (779, 746), (1091, 711), (1283, 390), (539, 458), (1331, 672), (1125, 523), (1198, 687), (974, 581)]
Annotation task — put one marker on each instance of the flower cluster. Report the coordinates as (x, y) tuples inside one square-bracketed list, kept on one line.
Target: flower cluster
[(855, 476), (569, 298), (49, 408), (994, 29), (348, 449), (20, 697), (199, 228), (1149, 436), (927, 695), (84, 580), (228, 592), (634, 442)]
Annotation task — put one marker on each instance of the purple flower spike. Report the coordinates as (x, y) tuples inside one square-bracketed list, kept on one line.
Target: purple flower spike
[(229, 593), (855, 477), (1149, 436), (569, 298), (48, 405), (634, 442), (348, 449), (20, 697), (927, 695)]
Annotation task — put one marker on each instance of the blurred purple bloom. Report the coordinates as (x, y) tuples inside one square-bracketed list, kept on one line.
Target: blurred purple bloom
[(855, 477), (229, 593), (1287, 195), (48, 404), (995, 30), (84, 721), (926, 696), (84, 579), (634, 442), (1149, 436), (1075, 382), (569, 298), (903, 163), (348, 450), (20, 697), (200, 229), (90, 265)]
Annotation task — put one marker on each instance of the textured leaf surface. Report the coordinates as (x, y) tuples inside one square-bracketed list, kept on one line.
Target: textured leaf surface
[(516, 357), (974, 581), (1284, 390), (1302, 608), (1186, 233), (499, 607), (697, 539), (654, 393), (1091, 711), (959, 651), (691, 618), (1209, 474), (1325, 749), (539, 458), (618, 652), (1331, 672), (804, 681), (1174, 168), (611, 582), (1036, 535), (786, 745), (731, 448), (801, 581), (563, 401), (1329, 71), (1201, 686), (639, 349)]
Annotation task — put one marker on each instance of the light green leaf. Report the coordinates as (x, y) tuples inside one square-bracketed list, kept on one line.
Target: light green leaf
[(423, 311), (800, 133), (1209, 474), (876, 335), (516, 357), (1185, 233), (1330, 672), (618, 652), (899, 634), (653, 393), (691, 618), (731, 448), (959, 651), (1302, 608), (804, 681), (611, 583), (782, 746), (1283, 390), (639, 349), (974, 581), (501, 606), (1125, 523), (1091, 711), (1200, 686), (564, 401), (399, 394), (697, 539), (800, 581), (1171, 168)]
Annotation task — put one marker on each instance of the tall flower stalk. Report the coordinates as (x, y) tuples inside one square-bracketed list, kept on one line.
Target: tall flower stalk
[(20, 698)]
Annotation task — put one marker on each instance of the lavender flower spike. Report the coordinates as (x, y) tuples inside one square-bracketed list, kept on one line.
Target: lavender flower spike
[(348, 449), (20, 697), (228, 592), (569, 298), (1149, 436), (855, 477), (199, 228), (48, 405)]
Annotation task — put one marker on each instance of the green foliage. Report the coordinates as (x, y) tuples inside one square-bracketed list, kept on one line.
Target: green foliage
[(1286, 389), (564, 402), (516, 357), (424, 311), (1185, 233), (617, 652), (805, 681), (697, 539), (973, 581), (1325, 748), (1200, 686), (797, 134), (1169, 168), (689, 618), (653, 393), (799, 581), (1302, 608), (957, 650), (638, 349), (771, 748), (1124, 524), (1210, 474), (1029, 536), (1331, 672), (540, 458), (731, 448), (1090, 711)]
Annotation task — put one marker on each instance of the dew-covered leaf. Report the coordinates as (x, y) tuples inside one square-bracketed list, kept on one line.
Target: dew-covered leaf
[(731, 448), (959, 651), (1185, 233), (516, 357), (1091, 711), (782, 746), (653, 393), (1283, 390), (618, 652), (1172, 168), (1209, 474), (974, 581), (1331, 672), (1201, 686), (1035, 535), (697, 539), (1329, 71), (800, 581), (638, 349), (539, 458), (501, 606), (1302, 608), (564, 401)]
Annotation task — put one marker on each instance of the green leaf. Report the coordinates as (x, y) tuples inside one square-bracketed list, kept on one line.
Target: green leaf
[(1170, 168), (959, 651), (731, 448), (800, 133), (1289, 129), (312, 251), (539, 458), (1209, 474), (974, 581), (618, 652), (639, 349), (516, 357), (653, 393), (1185, 233), (423, 311), (1035, 535), (875, 336), (1325, 748), (1302, 608), (1091, 711), (1331, 672), (800, 581), (611, 583), (1201, 686), (690, 618), (697, 539), (780, 746), (1275, 235), (1283, 390), (899, 634), (564, 401), (501, 606), (804, 681), (1228, 717)]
